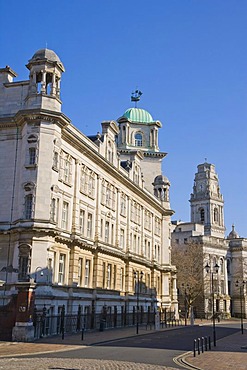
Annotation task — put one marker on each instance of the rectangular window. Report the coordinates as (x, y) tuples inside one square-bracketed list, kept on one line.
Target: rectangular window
[(61, 269), (87, 273), (123, 205), (122, 237), (28, 206), (109, 276), (101, 228), (112, 234), (103, 274), (107, 226), (32, 156), (83, 180), (80, 264), (89, 225), (82, 221), (23, 268), (145, 247), (91, 184), (53, 210), (55, 160), (114, 276), (65, 215), (108, 197), (66, 170)]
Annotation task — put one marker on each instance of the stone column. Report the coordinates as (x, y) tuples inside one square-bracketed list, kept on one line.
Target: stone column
[(53, 86), (23, 330), (43, 83)]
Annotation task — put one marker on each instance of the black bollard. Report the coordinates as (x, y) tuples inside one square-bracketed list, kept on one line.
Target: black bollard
[(206, 343), (82, 334), (202, 344), (198, 345), (194, 347)]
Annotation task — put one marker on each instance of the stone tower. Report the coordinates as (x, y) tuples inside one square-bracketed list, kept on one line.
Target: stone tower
[(138, 131), (207, 201)]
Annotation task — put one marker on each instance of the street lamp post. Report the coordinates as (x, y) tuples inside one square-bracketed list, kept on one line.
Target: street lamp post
[(215, 271), (241, 288), (185, 303), (138, 280)]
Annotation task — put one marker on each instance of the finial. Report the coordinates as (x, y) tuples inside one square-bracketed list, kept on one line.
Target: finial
[(136, 96), (46, 44), (206, 160)]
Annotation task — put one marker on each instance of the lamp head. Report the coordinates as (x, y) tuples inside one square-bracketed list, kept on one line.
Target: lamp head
[(207, 267), (216, 267)]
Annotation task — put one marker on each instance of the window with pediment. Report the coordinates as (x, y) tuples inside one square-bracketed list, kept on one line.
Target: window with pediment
[(87, 181), (147, 220), (32, 150), (135, 212), (157, 226), (65, 170), (108, 195)]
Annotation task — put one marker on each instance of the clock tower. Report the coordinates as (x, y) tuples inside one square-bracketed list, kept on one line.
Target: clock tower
[(207, 202)]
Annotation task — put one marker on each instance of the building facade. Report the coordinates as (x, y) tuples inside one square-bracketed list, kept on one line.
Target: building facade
[(80, 216), (207, 230)]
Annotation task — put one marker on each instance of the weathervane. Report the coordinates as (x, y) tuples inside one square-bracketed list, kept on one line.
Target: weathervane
[(136, 96)]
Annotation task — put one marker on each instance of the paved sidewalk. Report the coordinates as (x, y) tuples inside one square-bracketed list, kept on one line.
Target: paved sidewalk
[(230, 353), (227, 355)]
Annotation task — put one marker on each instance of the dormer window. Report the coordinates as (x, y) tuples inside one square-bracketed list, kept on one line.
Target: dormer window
[(138, 139)]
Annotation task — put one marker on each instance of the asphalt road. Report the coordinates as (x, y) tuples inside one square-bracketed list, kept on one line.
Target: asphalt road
[(157, 348)]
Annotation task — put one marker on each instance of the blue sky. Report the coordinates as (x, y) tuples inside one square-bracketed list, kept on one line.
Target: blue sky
[(188, 57)]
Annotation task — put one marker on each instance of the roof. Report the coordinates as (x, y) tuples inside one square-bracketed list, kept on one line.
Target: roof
[(46, 54), (138, 115)]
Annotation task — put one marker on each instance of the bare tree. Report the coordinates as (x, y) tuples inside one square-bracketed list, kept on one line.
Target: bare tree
[(189, 260)]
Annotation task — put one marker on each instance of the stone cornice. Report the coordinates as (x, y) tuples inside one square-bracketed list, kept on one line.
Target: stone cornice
[(34, 116)]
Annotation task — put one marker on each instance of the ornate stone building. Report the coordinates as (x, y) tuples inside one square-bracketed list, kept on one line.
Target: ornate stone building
[(79, 215), (207, 230)]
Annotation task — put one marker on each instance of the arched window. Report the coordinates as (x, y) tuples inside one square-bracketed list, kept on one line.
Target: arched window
[(138, 139), (202, 215)]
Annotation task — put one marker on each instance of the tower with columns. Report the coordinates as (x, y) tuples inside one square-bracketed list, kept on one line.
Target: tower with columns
[(206, 201)]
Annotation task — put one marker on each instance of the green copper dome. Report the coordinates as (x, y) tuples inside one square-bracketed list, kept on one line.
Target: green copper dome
[(138, 115)]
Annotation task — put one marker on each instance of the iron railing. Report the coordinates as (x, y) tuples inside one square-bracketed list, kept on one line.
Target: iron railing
[(48, 325)]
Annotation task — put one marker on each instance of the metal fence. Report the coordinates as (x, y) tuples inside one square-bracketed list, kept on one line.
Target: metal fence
[(48, 325)]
